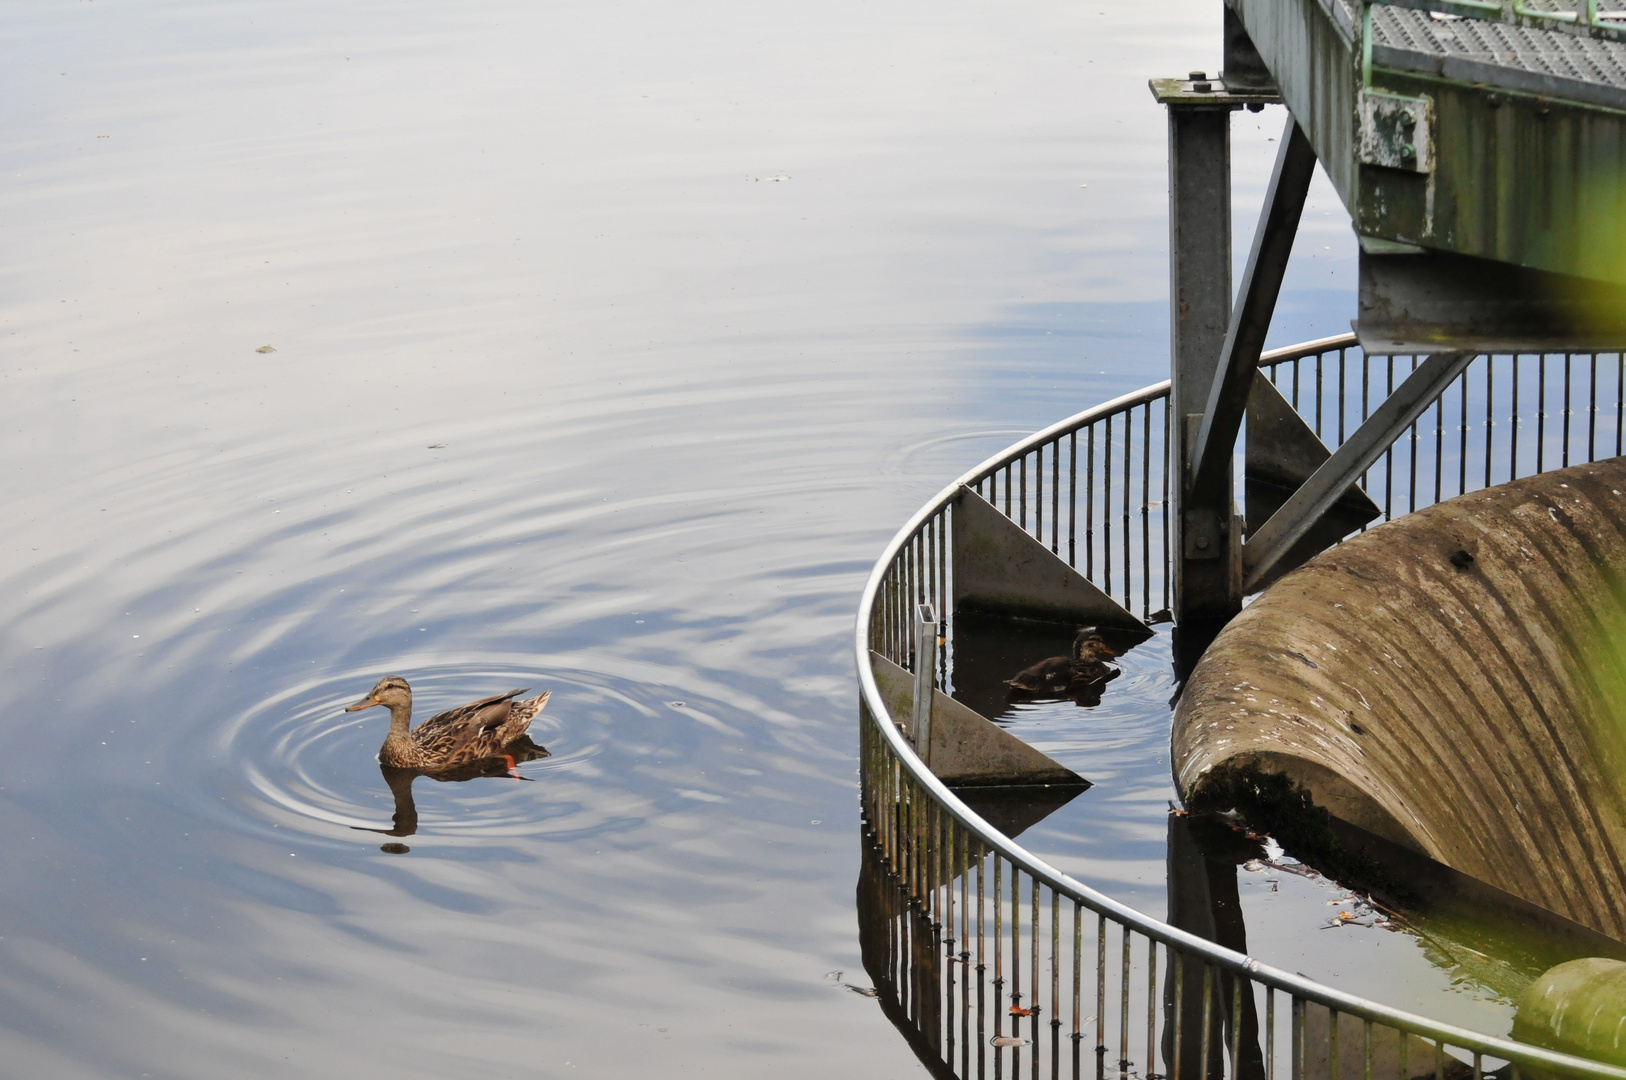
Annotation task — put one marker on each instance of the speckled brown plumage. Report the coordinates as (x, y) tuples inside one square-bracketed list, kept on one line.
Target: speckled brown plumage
[(480, 729), (1059, 675)]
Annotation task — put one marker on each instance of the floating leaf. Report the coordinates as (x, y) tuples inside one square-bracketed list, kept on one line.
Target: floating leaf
[(1007, 1040), (265, 349), (1017, 1010)]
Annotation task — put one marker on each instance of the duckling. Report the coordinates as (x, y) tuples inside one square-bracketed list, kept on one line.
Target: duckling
[(480, 729), (1064, 676)]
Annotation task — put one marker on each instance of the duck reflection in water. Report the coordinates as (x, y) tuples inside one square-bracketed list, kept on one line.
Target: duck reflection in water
[(483, 738), (1081, 676)]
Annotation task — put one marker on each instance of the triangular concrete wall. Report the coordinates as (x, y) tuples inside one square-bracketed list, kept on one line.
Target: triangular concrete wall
[(968, 750), (1000, 569)]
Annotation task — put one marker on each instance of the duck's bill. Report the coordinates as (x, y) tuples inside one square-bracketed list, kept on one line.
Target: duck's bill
[(364, 703)]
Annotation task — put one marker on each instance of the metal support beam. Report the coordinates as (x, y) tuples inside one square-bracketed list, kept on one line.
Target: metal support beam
[(1305, 507), (1199, 311), (1227, 397)]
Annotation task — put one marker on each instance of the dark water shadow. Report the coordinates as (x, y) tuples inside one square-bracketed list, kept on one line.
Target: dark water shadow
[(989, 649)]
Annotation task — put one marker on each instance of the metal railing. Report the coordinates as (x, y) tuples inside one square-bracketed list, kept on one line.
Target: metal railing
[(1005, 963)]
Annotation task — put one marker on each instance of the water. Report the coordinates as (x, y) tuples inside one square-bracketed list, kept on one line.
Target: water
[(610, 343)]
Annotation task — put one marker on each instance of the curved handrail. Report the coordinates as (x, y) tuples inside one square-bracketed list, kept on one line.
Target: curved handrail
[(997, 843)]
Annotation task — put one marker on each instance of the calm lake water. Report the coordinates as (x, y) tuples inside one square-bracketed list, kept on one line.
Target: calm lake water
[(611, 341)]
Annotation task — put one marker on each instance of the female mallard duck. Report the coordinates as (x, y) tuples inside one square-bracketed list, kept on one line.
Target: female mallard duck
[(1062, 676), (480, 729)]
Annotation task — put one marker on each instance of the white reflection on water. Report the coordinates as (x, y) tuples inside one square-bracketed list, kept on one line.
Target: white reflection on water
[(680, 409)]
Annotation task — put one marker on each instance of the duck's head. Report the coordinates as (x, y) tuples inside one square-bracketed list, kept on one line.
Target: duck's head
[(1089, 646), (391, 691)]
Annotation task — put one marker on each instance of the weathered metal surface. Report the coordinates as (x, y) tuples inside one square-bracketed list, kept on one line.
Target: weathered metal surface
[(1419, 303), (1199, 313), (1000, 569), (1526, 130), (966, 749), (1282, 453), (1451, 681)]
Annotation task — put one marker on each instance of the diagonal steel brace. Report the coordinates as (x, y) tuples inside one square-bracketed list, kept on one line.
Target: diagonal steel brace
[(1276, 537), (1250, 318)]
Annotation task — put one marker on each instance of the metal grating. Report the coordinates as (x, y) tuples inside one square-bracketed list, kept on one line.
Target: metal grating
[(1543, 62)]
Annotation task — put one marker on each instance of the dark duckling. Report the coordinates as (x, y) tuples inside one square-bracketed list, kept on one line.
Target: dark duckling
[(480, 729), (1067, 676)]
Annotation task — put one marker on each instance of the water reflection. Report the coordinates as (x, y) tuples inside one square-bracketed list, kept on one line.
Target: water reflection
[(399, 781)]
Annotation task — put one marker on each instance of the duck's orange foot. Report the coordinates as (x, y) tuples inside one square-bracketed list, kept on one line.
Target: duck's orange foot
[(513, 769)]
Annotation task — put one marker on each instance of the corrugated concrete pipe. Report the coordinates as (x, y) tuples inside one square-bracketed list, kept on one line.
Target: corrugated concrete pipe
[(1454, 681)]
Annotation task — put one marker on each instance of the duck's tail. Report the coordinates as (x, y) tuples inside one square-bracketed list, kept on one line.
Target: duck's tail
[(523, 712)]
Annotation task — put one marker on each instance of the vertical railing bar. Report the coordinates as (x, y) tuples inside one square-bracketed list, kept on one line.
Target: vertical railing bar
[(1592, 414), (1072, 498), (1055, 985), (1366, 1049), (1462, 435), (1016, 943), (1106, 507), (1151, 1008), (1089, 503), (1123, 1008), (1541, 413), (1341, 396), (1145, 510), (1129, 455), (1270, 1035), (1412, 492), (1022, 491), (1620, 400), (1164, 504), (1207, 1027), (1078, 980), (1515, 422), (1490, 419), (1239, 986), (1332, 1044), (1318, 425), (1055, 497), (1566, 458), (1177, 961), (1100, 987), (1389, 456)]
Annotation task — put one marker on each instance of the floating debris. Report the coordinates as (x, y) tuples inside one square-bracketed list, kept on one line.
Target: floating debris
[(265, 349), (772, 179), (437, 446), (863, 991), (677, 704), (1253, 865), (395, 849), (833, 976), (1006, 1040), (1017, 1010)]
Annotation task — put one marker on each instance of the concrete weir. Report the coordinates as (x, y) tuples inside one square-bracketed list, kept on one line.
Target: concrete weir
[(1453, 681)]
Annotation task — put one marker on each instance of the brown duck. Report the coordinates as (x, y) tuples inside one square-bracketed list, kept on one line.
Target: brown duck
[(480, 729), (1064, 676)]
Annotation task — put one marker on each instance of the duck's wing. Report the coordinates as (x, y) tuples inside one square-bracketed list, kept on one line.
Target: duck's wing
[(1043, 675), (475, 716)]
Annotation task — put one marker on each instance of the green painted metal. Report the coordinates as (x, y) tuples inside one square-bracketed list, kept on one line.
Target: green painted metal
[(1499, 169)]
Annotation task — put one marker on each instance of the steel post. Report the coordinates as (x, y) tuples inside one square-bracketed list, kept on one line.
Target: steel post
[(1205, 584)]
